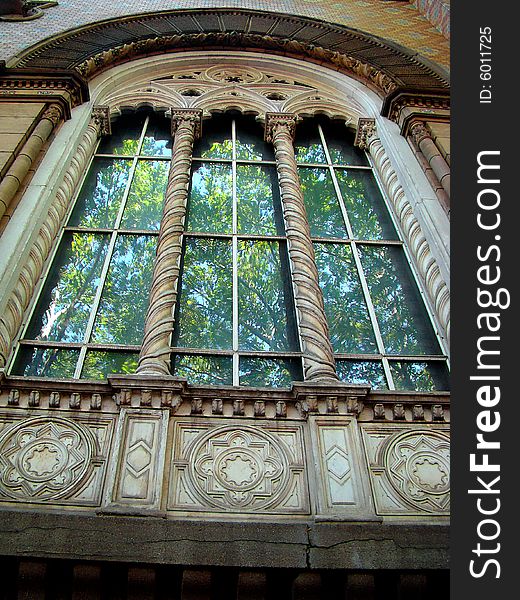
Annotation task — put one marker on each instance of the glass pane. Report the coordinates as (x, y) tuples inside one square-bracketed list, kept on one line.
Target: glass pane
[(126, 132), (420, 376), (45, 362), (145, 200), (307, 144), (100, 364), (363, 372), (124, 302), (264, 302), (250, 143), (269, 372), (205, 302), (259, 208), (200, 370), (321, 203), (340, 143), (401, 314), (216, 141), (365, 206), (64, 307), (158, 139), (347, 314), (210, 205), (100, 197)]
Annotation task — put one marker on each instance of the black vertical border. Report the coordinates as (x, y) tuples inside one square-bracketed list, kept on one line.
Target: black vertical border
[(477, 127)]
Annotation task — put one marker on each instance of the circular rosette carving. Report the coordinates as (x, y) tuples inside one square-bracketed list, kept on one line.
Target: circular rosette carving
[(236, 75), (44, 459), (239, 468), (418, 467)]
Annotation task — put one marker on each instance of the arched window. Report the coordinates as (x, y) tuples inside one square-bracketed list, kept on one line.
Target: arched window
[(235, 322)]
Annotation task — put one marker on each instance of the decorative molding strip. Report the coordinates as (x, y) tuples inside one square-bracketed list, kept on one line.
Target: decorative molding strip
[(427, 267)]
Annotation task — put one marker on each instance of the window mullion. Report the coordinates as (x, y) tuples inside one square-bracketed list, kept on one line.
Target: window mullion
[(235, 255)]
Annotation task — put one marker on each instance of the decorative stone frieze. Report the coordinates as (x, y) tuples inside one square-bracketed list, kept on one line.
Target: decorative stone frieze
[(239, 467), (409, 469), (58, 457), (318, 357)]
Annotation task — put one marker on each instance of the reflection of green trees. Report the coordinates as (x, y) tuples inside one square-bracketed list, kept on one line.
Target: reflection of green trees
[(203, 369), (420, 376), (205, 304), (263, 307), (65, 305), (210, 199), (45, 362), (400, 313), (347, 314), (122, 310), (100, 364), (101, 195), (268, 372), (145, 200), (321, 203), (365, 206), (358, 371)]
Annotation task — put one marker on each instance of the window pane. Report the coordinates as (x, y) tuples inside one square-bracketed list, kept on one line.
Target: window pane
[(121, 313), (265, 304), (100, 364), (269, 372), (250, 143), (64, 308), (100, 197), (340, 143), (259, 209), (365, 206), (363, 372), (125, 135), (158, 139), (45, 362), (321, 203), (307, 145), (347, 314), (420, 376), (214, 370), (216, 139), (145, 200), (205, 305), (401, 314), (210, 199)]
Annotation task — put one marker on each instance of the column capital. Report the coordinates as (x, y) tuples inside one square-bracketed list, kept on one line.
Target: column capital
[(366, 130), (273, 121), (419, 131), (190, 115), (54, 114), (101, 118)]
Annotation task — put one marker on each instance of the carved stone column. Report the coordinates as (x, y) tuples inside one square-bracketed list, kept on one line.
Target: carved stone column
[(424, 141), (155, 351), (318, 357), (427, 267), (12, 311)]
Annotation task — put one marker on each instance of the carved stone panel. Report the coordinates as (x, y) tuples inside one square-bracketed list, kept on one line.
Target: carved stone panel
[(342, 486), (137, 473), (238, 466), (409, 469), (53, 459)]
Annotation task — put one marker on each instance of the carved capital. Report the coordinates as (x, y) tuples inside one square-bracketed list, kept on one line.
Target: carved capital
[(101, 118), (365, 132), (276, 122), (419, 132), (189, 116), (54, 114)]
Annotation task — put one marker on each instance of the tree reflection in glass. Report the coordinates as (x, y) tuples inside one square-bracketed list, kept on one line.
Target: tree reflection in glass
[(269, 372), (100, 364), (122, 310), (420, 376), (321, 203), (205, 304), (363, 372), (64, 307), (210, 199), (158, 139), (203, 369), (45, 362), (347, 314), (401, 315)]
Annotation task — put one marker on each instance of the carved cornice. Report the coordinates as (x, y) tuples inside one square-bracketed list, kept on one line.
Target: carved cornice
[(67, 88), (402, 106)]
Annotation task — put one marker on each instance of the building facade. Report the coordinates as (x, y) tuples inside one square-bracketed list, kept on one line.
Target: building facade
[(224, 307)]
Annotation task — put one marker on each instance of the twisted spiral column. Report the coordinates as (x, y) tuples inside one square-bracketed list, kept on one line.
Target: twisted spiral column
[(154, 358), (19, 298), (318, 357)]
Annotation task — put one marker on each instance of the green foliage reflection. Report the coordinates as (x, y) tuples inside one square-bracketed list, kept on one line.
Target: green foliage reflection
[(100, 364), (46, 362), (362, 372), (420, 376), (267, 372), (210, 199), (321, 203), (202, 369)]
